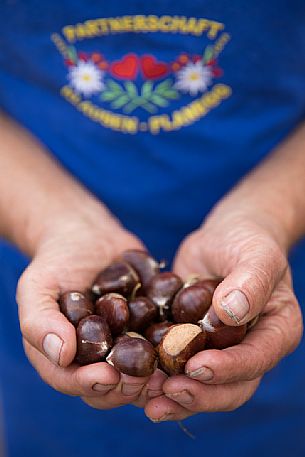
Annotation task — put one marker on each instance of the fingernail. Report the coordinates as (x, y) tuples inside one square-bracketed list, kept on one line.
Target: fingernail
[(103, 388), (163, 418), (129, 389), (203, 373), (236, 305), (52, 346), (154, 393), (182, 397)]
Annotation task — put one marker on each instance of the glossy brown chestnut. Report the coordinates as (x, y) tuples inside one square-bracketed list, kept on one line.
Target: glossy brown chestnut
[(133, 356), (143, 263), (142, 312), (191, 303), (162, 291), (127, 335), (178, 345), (75, 306), (155, 332), (93, 340), (113, 307), (219, 335), (117, 277)]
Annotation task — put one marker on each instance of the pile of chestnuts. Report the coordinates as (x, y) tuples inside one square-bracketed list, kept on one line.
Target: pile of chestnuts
[(137, 318)]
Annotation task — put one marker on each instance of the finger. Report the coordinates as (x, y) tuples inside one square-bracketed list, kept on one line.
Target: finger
[(41, 322), (245, 291), (93, 380), (163, 409), (187, 261), (152, 389), (126, 392), (198, 397), (276, 334)]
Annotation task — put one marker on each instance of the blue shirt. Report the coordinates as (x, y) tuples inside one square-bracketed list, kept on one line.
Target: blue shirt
[(159, 109)]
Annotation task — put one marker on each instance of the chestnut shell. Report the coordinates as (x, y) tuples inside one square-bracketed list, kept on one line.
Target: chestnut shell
[(155, 332), (117, 277), (191, 303), (162, 291), (219, 335), (75, 306), (113, 307), (142, 312), (178, 345), (94, 340), (143, 263), (133, 356)]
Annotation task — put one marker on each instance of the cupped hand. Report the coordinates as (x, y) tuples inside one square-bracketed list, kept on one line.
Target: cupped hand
[(70, 254), (248, 254)]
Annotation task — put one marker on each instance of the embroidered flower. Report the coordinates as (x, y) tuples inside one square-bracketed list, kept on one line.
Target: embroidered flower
[(194, 78), (86, 78)]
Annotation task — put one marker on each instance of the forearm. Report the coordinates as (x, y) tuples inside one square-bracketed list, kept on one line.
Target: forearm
[(35, 190), (274, 192)]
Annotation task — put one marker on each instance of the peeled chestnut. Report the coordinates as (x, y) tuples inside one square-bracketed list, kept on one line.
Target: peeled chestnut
[(142, 312), (75, 306), (143, 263), (162, 290), (117, 277), (133, 356), (178, 345), (113, 307), (219, 335), (155, 332), (93, 340)]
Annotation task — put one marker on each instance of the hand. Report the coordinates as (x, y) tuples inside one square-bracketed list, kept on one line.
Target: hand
[(69, 256), (257, 281)]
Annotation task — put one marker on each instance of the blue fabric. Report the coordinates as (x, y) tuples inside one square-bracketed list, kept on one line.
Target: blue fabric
[(160, 183)]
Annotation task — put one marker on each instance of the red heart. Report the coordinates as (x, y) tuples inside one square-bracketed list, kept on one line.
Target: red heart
[(126, 68), (152, 69)]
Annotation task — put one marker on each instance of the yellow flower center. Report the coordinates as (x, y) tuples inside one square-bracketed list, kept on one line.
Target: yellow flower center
[(194, 76), (86, 77)]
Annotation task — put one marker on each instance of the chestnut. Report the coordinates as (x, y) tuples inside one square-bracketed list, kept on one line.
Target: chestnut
[(127, 335), (117, 277), (133, 356), (162, 290), (191, 303), (93, 340), (219, 335), (143, 263), (142, 312), (155, 332), (75, 306), (113, 307), (178, 345)]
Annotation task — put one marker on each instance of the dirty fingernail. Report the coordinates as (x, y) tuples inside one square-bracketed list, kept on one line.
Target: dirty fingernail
[(182, 397), (103, 388), (130, 389), (202, 373), (52, 346), (236, 305), (163, 418)]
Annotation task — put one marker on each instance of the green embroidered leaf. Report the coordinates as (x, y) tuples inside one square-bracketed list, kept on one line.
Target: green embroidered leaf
[(164, 85), (147, 89), (149, 107), (113, 86), (158, 100), (120, 101), (208, 54), (172, 94), (108, 95), (72, 54), (131, 89)]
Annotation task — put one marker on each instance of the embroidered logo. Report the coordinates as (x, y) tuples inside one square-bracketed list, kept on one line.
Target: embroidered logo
[(135, 92)]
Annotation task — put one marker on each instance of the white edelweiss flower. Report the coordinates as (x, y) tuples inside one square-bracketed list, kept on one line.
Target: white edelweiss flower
[(86, 78), (194, 78)]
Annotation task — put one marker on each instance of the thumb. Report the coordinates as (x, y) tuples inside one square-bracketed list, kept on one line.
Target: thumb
[(42, 324), (242, 295)]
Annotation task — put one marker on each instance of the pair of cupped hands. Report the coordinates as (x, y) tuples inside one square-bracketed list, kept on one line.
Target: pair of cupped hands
[(231, 243)]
